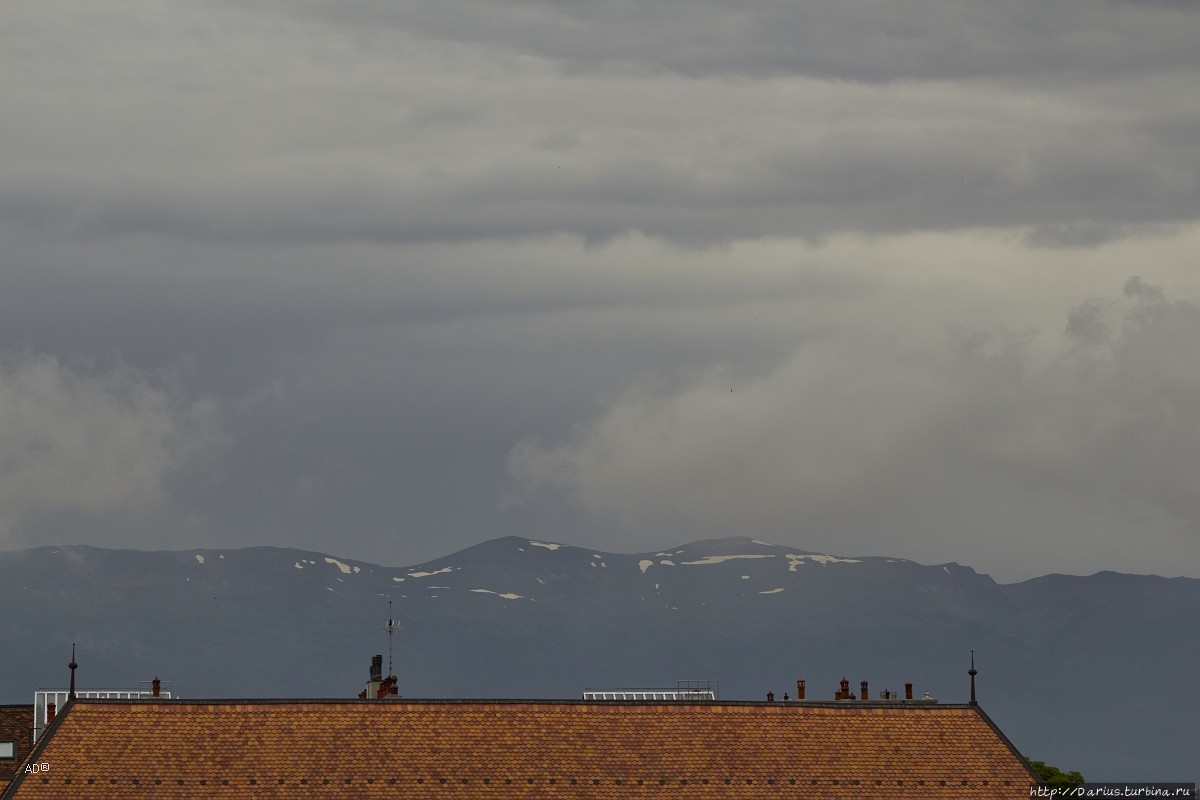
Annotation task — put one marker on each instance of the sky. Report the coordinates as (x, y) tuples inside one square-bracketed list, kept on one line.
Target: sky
[(914, 278)]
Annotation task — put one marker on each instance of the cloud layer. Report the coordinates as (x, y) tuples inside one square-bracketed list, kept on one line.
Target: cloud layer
[(432, 122), (424, 273), (859, 445)]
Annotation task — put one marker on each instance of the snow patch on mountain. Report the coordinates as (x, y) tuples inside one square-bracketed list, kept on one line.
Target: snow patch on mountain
[(502, 595), (199, 558), (644, 565), (796, 560), (547, 545), (772, 591), (345, 569), (427, 574), (719, 559)]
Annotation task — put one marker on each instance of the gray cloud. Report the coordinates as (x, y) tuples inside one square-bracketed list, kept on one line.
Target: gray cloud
[(400, 124), (89, 443), (979, 450), (381, 243), (866, 40)]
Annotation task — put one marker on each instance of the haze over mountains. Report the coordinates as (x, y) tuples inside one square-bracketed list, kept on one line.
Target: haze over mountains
[(1091, 673)]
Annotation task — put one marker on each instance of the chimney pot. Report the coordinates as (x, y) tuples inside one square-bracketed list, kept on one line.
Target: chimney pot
[(800, 689), (156, 687), (770, 697), (50, 709), (908, 691), (863, 693)]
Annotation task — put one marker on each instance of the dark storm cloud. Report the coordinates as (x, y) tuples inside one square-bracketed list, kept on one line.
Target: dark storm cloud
[(928, 175), (374, 245), (473, 123)]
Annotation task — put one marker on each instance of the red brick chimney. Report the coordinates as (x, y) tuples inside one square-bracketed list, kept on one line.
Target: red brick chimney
[(50, 709), (863, 691), (156, 687), (800, 689), (908, 691)]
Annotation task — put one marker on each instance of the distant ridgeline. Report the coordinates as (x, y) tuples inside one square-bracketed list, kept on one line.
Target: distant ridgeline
[(1061, 659)]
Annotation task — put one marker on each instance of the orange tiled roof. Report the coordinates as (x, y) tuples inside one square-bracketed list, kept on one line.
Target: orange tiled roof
[(487, 750)]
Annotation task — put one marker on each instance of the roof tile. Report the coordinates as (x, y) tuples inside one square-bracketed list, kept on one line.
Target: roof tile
[(487, 750)]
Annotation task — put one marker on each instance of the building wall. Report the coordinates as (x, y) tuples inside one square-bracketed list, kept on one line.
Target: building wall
[(16, 726)]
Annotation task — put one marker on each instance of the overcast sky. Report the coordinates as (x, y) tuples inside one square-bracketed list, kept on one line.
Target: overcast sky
[(386, 278)]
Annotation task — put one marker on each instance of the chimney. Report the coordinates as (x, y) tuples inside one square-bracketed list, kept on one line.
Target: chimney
[(844, 692), (800, 689), (375, 681), (908, 691), (156, 687), (863, 693), (770, 697), (50, 709)]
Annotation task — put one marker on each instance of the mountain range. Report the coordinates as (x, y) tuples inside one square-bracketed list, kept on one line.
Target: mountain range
[(1095, 674)]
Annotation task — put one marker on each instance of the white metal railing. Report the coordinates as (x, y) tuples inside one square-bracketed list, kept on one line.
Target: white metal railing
[(44, 698)]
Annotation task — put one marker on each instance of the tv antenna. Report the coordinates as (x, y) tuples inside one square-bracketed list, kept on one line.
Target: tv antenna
[(391, 628)]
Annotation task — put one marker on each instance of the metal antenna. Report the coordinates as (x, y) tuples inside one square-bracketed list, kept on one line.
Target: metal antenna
[(391, 628)]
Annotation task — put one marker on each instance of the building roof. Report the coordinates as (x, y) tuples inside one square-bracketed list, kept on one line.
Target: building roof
[(492, 749)]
